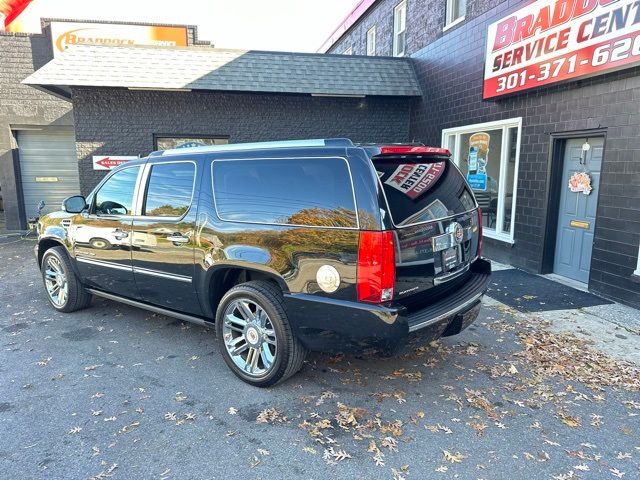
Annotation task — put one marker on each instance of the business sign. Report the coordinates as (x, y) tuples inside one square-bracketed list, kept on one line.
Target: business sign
[(414, 180), (108, 162), (477, 181), (64, 34), (550, 41)]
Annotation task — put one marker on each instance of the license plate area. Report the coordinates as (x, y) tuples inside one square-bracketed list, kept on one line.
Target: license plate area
[(451, 258)]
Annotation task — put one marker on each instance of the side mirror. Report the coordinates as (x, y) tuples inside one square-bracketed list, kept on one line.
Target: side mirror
[(75, 204)]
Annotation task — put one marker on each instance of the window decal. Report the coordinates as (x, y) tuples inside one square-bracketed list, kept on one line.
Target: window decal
[(415, 180)]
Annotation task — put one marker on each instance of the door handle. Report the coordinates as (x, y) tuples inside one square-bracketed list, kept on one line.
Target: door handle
[(119, 234), (177, 238)]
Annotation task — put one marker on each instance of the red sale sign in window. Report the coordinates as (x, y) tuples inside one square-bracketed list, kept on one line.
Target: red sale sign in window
[(550, 41)]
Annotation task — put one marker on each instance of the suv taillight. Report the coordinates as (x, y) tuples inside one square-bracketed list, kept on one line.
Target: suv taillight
[(479, 232), (376, 267)]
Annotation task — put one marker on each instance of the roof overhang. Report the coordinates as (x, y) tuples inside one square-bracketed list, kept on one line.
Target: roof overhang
[(205, 68)]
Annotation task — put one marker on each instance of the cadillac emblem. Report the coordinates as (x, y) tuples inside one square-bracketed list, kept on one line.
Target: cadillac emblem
[(456, 230)]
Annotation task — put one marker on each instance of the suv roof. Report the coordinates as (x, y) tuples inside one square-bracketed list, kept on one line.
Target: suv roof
[(234, 147)]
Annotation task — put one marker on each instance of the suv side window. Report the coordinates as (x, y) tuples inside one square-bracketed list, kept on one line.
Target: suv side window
[(312, 191), (115, 197), (169, 190)]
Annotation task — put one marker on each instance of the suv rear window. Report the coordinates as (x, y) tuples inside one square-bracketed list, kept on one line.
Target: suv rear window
[(314, 192), (420, 192)]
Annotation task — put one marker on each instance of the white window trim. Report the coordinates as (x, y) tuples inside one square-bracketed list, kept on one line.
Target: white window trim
[(457, 133), (448, 21), (454, 23), (371, 34), (396, 33), (637, 272), (348, 51)]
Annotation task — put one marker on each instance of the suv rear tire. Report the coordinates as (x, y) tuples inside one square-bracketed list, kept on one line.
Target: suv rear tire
[(251, 320), (64, 291)]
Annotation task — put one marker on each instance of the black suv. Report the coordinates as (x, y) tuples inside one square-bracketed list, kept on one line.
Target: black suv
[(285, 246)]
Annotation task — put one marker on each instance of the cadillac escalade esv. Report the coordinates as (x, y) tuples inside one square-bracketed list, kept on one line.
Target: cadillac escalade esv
[(284, 247)]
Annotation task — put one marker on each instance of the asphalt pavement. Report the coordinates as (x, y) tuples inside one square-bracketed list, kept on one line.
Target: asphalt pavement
[(118, 392)]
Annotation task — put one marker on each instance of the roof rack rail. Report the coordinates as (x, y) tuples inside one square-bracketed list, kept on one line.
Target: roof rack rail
[(234, 147)]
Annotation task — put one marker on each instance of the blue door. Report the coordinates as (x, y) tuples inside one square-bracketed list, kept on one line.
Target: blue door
[(577, 216)]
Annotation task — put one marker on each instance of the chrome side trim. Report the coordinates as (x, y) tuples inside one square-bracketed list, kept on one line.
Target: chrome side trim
[(156, 273), (450, 313), (152, 308), (445, 278), (101, 263), (129, 268)]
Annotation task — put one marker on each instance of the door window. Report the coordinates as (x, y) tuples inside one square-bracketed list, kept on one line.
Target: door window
[(115, 197), (169, 190)]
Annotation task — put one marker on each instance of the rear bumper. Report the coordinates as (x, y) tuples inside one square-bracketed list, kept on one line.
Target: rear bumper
[(335, 325)]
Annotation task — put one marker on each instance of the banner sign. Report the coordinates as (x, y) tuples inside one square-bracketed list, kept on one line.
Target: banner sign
[(104, 162), (64, 34), (414, 180), (550, 41)]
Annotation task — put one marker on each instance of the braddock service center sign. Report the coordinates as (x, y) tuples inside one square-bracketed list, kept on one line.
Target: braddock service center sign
[(64, 34), (549, 41)]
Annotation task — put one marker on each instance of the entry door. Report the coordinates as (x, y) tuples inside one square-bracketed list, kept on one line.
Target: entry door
[(162, 239), (48, 168), (577, 216)]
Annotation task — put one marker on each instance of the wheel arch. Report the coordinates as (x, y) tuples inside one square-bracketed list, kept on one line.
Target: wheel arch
[(223, 278), (48, 243)]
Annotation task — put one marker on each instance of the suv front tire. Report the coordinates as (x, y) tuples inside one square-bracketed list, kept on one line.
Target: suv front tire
[(255, 336), (64, 291)]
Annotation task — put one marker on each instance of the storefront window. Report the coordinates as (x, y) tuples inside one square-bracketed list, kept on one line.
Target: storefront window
[(488, 154), (168, 143)]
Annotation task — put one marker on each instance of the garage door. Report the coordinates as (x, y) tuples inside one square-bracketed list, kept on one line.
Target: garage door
[(48, 168)]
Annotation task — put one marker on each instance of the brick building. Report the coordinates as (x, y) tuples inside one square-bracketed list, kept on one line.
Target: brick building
[(537, 135), (50, 136), (520, 147)]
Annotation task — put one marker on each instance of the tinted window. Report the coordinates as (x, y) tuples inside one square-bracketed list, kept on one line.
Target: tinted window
[(422, 192), (299, 191), (115, 197), (169, 190)]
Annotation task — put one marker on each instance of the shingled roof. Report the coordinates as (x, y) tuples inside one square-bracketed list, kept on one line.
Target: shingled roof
[(205, 68)]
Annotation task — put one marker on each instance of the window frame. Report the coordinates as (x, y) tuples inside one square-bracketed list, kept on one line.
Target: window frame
[(92, 198), (144, 188), (457, 132), (451, 22), (396, 33), (371, 35), (298, 159)]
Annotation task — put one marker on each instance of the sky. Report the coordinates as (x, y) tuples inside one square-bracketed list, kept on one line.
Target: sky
[(289, 25)]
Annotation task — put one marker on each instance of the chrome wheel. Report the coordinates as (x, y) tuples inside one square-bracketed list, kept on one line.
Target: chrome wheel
[(56, 282), (249, 337)]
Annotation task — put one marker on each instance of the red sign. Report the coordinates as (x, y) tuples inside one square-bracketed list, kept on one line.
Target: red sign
[(10, 9), (109, 162), (551, 41), (415, 179)]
